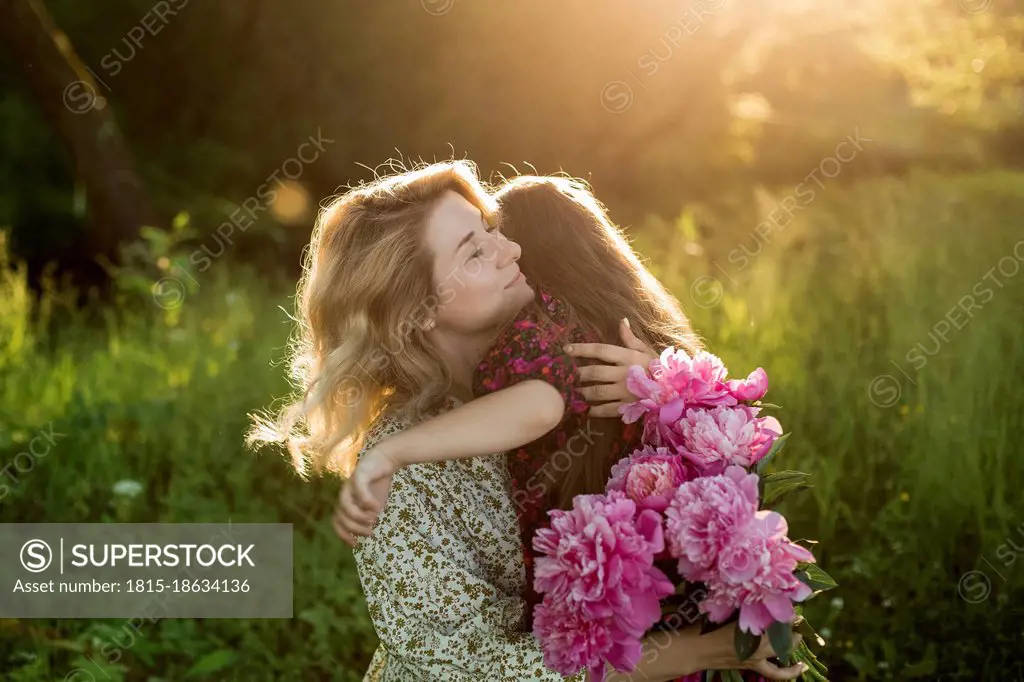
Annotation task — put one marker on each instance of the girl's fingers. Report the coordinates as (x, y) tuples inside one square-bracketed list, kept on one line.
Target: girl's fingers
[(343, 527), (607, 410), (354, 520), (613, 355), (340, 529), (602, 393), (765, 649), (344, 535), (608, 374), (629, 339), (353, 529), (351, 506), (363, 497)]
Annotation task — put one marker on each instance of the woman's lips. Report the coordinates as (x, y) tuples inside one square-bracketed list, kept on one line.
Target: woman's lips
[(516, 281)]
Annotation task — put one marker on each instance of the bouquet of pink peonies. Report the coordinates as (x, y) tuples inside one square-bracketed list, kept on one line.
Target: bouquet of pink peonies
[(684, 516)]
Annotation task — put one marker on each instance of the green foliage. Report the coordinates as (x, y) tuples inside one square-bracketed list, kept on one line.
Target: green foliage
[(745, 643), (137, 395), (910, 493), (917, 475)]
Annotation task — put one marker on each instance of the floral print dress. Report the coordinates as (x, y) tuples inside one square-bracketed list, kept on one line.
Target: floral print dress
[(531, 348), (443, 575)]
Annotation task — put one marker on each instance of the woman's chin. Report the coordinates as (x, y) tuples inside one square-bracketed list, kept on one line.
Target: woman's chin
[(522, 288)]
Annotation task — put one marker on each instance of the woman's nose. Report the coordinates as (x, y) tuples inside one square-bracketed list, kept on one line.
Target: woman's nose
[(508, 250)]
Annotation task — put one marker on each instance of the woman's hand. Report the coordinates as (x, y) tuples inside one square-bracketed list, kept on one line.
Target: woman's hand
[(670, 655), (365, 494), (610, 390), (716, 651)]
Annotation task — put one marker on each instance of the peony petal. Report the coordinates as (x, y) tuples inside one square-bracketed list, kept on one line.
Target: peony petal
[(671, 412), (799, 553), (649, 525), (770, 424), (754, 618), (780, 607)]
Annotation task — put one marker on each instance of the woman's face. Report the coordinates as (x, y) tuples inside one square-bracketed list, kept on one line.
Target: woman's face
[(476, 271)]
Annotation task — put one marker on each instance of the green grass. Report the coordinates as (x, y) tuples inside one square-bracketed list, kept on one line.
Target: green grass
[(911, 492)]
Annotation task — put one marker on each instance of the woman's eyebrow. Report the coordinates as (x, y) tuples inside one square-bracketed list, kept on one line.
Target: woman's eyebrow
[(469, 235)]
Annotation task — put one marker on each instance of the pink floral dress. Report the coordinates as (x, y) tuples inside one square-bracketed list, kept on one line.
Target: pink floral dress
[(531, 348)]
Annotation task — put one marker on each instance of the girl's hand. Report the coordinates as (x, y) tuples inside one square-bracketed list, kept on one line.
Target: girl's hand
[(610, 379), (365, 494)]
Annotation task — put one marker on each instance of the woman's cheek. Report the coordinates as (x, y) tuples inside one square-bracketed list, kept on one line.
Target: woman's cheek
[(474, 267)]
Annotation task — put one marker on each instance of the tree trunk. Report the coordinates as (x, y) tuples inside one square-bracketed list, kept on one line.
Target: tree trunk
[(73, 105)]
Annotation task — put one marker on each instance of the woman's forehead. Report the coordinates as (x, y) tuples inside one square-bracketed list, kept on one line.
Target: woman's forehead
[(449, 223)]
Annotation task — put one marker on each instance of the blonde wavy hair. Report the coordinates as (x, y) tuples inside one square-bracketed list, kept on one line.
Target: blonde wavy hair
[(367, 286)]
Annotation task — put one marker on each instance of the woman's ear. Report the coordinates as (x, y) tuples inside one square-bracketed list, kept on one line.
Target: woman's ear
[(428, 325)]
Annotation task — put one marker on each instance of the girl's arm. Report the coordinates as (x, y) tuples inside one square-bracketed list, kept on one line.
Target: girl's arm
[(495, 422)]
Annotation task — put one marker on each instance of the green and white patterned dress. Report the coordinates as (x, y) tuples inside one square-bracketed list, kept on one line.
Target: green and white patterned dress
[(443, 576)]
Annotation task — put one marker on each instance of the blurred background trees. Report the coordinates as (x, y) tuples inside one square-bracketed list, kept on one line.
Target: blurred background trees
[(656, 102), (831, 188)]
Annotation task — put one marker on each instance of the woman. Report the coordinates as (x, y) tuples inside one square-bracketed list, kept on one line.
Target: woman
[(404, 290)]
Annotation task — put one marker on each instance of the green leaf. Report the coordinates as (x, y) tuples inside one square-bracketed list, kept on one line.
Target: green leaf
[(776, 446), (925, 667), (780, 491), (180, 221), (95, 667), (212, 662), (770, 406), (815, 578), (707, 626), (731, 675), (745, 644), (809, 633), (781, 637), (776, 477), (783, 476)]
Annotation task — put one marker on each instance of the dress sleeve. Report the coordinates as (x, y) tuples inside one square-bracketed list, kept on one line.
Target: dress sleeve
[(532, 349), (434, 608)]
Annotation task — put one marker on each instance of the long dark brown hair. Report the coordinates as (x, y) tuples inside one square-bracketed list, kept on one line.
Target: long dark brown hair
[(572, 249)]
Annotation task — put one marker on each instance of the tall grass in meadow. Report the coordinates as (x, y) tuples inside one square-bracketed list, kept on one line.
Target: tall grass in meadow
[(890, 319), (160, 396), (917, 467)]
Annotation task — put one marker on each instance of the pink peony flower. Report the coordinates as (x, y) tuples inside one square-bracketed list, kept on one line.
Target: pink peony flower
[(599, 556), (572, 641), (752, 388), (755, 574), (601, 588), (675, 382), (649, 477), (714, 438), (703, 516)]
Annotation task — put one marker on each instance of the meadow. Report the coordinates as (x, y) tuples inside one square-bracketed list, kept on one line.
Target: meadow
[(887, 313)]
